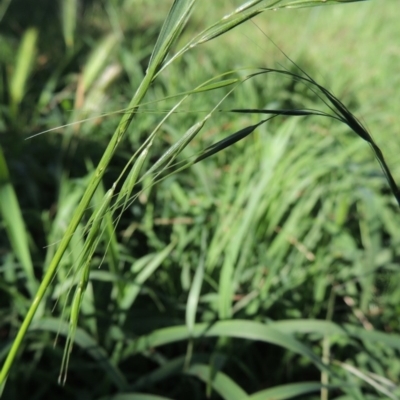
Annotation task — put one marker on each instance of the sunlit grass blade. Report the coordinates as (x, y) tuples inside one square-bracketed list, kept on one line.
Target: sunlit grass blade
[(69, 9), (98, 59), (22, 68), (195, 289)]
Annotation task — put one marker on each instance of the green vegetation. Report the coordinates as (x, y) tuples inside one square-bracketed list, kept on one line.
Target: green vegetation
[(161, 238)]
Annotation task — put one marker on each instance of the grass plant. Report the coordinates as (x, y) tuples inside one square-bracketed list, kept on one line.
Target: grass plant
[(201, 250)]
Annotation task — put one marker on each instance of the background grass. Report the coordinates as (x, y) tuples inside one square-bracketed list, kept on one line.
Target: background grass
[(263, 244)]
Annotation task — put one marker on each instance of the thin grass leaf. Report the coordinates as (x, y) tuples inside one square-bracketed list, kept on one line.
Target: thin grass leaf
[(327, 328), (97, 60), (22, 68), (135, 287), (130, 181), (69, 10), (226, 285), (368, 379), (97, 96), (289, 391), (15, 226), (219, 381), (217, 85), (235, 329), (195, 289), (389, 339), (169, 156)]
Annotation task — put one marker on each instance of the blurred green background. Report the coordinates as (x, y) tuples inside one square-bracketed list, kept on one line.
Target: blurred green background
[(292, 228)]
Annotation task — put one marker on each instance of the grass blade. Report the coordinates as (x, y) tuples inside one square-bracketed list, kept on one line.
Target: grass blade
[(194, 293), (241, 329), (219, 381), (288, 391), (97, 60), (69, 10), (133, 291), (22, 68), (14, 223)]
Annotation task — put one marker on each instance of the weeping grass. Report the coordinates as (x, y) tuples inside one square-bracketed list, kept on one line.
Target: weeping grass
[(264, 230)]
